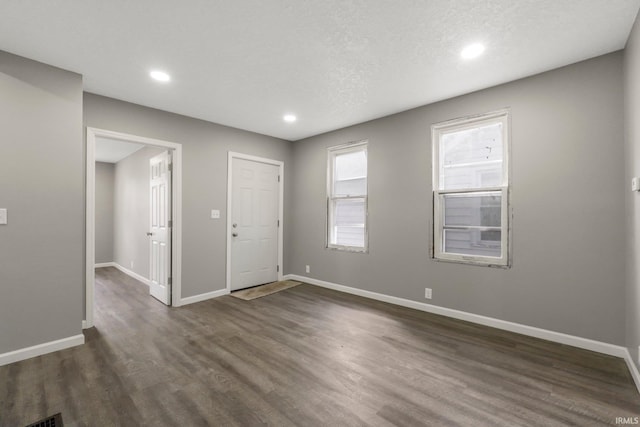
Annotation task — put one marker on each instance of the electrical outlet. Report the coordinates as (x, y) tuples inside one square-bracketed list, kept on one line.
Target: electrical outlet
[(307, 269), (427, 293), (3, 216)]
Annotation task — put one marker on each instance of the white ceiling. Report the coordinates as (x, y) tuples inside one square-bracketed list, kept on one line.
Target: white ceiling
[(113, 150), (333, 63)]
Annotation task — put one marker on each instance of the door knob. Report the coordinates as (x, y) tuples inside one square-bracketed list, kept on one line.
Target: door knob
[(149, 233), (235, 234), (234, 225)]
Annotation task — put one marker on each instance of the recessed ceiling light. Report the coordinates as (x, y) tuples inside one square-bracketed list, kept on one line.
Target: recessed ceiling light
[(472, 51), (289, 118), (160, 76)]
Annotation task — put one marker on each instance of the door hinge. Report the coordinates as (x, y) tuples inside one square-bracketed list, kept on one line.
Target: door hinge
[(277, 268), (278, 178), (170, 223), (170, 166), (170, 281), (278, 223)]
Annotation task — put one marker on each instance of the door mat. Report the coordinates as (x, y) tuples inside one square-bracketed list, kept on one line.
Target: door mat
[(264, 290)]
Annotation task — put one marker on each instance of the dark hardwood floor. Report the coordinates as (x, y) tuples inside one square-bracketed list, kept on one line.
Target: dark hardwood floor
[(306, 356)]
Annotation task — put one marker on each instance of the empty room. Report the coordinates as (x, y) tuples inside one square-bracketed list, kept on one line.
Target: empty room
[(337, 213)]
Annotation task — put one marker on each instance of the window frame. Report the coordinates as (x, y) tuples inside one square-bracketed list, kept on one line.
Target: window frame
[(437, 244), (332, 153)]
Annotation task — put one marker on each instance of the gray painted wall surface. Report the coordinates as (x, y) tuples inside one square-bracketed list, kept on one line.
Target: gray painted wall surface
[(632, 168), (567, 198), (131, 211), (41, 185), (105, 175), (205, 148)]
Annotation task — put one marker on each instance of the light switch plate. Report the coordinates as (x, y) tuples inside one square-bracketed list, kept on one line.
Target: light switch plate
[(3, 216), (215, 214), (635, 184)]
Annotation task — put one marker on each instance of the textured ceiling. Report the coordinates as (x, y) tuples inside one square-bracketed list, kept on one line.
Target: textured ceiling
[(333, 63)]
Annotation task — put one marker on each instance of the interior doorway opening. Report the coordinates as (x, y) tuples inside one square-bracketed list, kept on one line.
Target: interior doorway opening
[(149, 245)]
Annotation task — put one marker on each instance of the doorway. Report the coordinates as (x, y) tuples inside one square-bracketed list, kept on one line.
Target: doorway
[(254, 221), (168, 171)]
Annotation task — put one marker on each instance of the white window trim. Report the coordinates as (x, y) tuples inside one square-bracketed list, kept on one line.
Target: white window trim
[(455, 125), (331, 153)]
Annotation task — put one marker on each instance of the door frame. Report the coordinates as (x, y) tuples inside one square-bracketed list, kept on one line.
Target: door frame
[(280, 164), (176, 232)]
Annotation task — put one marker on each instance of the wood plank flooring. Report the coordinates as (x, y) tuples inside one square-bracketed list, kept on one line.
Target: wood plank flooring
[(307, 356)]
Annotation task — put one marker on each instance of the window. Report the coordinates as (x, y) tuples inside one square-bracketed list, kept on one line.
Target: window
[(347, 197), (471, 189)]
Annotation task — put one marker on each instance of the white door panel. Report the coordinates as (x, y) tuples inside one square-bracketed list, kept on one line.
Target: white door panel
[(160, 228), (254, 215)]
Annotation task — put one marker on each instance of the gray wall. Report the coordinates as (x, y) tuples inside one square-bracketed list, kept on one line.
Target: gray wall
[(567, 197), (105, 175), (205, 148), (131, 210), (632, 168), (41, 185)]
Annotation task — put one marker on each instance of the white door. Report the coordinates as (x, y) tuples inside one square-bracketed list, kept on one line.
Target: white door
[(254, 223), (160, 227)]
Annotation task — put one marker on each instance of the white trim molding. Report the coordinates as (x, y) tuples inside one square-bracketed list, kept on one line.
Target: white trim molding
[(132, 274), (280, 164), (176, 232), (203, 297), (40, 349), (90, 228), (559, 337), (633, 369), (105, 264)]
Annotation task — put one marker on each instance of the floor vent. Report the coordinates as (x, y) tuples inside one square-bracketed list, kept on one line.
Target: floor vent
[(52, 421)]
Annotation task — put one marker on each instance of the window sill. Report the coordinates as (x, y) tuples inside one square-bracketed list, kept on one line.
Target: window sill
[(350, 249), (476, 263)]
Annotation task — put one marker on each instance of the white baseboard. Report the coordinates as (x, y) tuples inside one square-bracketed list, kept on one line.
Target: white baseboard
[(632, 368), (584, 343), (203, 297), (40, 349), (105, 264), (132, 274)]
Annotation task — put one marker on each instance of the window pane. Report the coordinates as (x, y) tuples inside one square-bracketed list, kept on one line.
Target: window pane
[(471, 158), (349, 218), (481, 210), (351, 187), (490, 236), (350, 236), (470, 242), (350, 165), (349, 212)]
